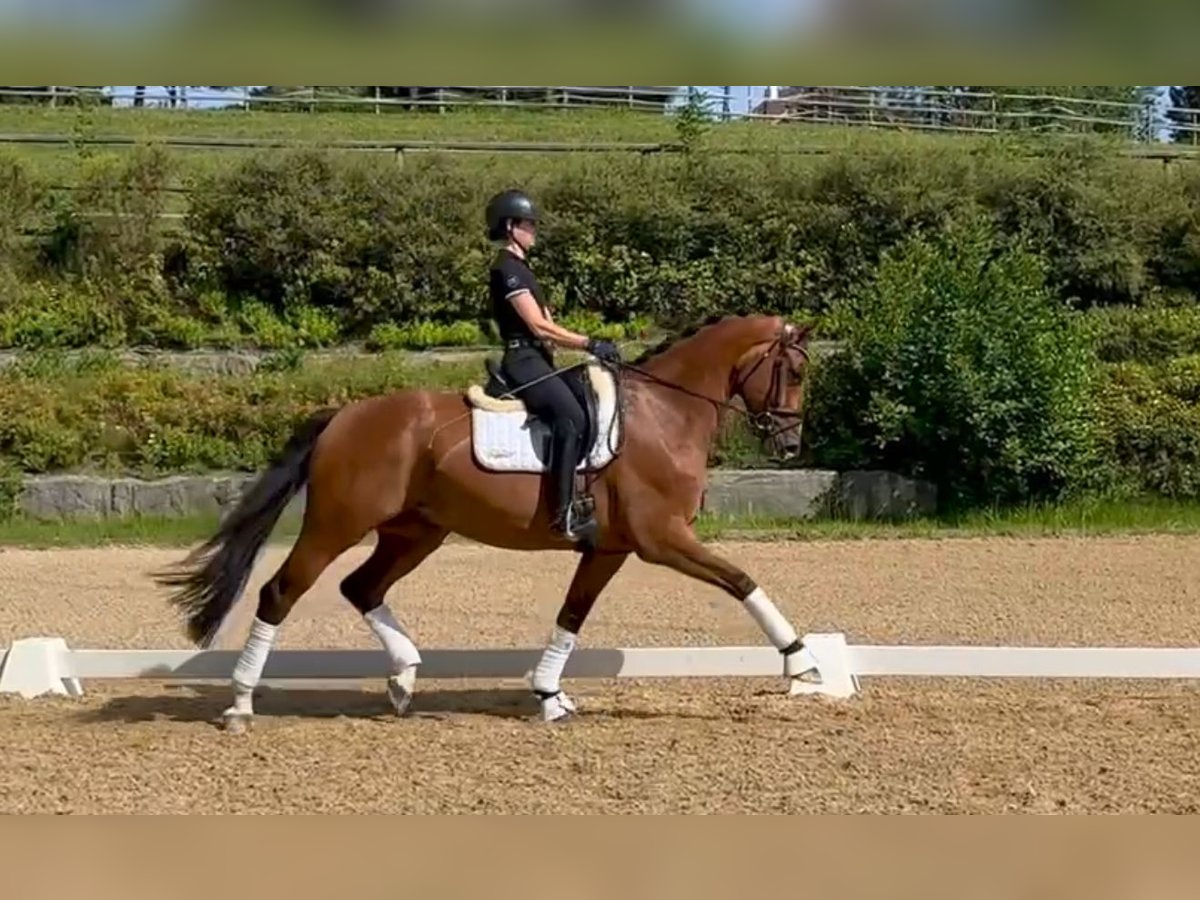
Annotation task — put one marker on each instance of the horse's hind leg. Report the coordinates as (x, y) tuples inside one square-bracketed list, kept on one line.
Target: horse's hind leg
[(593, 574), (312, 553), (403, 545)]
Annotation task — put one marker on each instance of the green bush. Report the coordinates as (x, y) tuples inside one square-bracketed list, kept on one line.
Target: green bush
[(1151, 418), (1175, 257), (1088, 211), (1153, 334), (852, 209), (423, 334), (99, 415), (22, 205), (623, 237), (961, 368), (664, 237)]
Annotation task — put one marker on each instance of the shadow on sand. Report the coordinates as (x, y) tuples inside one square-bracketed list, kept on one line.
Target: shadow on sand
[(206, 703)]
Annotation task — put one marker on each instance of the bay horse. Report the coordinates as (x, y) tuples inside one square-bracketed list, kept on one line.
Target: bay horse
[(402, 465)]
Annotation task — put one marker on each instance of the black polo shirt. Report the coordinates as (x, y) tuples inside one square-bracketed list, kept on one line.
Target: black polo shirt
[(509, 276)]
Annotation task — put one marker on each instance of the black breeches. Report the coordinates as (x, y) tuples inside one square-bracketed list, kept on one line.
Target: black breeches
[(559, 399), (560, 402)]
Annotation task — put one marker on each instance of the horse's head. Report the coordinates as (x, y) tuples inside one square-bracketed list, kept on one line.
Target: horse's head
[(770, 380)]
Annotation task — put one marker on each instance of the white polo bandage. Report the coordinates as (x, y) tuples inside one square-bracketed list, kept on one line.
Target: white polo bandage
[(249, 668), (399, 646), (554, 659), (777, 629)]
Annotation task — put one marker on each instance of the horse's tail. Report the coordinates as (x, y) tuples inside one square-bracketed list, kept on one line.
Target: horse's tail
[(211, 579)]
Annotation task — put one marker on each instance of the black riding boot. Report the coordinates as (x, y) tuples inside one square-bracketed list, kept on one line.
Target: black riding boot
[(567, 519)]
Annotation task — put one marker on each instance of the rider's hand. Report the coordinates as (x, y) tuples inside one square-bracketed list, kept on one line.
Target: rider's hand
[(605, 350)]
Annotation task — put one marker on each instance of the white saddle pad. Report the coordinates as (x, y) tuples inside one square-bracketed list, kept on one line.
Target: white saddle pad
[(504, 438)]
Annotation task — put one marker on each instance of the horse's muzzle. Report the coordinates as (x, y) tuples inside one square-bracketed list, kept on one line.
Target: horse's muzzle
[(787, 442)]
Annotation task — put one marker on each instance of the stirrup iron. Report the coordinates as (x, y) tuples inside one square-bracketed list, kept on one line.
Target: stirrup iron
[(581, 520)]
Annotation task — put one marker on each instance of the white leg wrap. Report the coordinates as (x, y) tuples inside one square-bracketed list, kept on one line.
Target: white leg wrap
[(554, 658), (395, 639), (249, 668), (777, 629)]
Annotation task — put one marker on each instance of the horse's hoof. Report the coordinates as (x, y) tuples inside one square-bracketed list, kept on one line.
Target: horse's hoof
[(400, 693), (801, 665), (561, 718), (237, 722), (558, 708)]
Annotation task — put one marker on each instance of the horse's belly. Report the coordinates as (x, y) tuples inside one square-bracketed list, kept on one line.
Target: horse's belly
[(498, 508)]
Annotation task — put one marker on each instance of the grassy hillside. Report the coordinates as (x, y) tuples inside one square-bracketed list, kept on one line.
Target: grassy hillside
[(453, 124), (461, 124)]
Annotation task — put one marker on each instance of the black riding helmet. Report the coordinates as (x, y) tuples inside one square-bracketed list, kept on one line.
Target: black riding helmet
[(508, 205)]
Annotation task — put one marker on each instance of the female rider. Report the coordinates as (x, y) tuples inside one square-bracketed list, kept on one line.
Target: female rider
[(529, 333)]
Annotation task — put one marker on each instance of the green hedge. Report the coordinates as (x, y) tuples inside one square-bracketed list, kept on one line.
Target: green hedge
[(93, 414), (306, 249), (961, 368), (1151, 416), (1146, 335), (96, 415)]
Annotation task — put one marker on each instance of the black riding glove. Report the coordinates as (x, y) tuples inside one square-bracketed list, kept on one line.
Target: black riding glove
[(605, 350)]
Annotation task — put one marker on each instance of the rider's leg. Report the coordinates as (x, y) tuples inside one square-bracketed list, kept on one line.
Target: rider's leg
[(553, 401), (574, 380), (566, 451)]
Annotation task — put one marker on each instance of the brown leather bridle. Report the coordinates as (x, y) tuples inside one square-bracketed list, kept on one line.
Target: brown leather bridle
[(774, 419)]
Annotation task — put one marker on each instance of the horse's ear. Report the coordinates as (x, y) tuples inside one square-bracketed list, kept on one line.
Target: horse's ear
[(798, 334)]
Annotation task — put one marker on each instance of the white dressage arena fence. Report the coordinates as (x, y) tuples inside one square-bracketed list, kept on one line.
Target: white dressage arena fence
[(47, 665)]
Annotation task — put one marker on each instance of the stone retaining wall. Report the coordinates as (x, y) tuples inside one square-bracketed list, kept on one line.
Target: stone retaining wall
[(802, 493)]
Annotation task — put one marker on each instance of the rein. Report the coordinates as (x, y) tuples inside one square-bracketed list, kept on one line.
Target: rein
[(761, 421), (554, 372), (764, 421)]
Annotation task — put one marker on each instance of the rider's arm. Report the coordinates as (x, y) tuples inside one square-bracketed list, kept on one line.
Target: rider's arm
[(544, 327)]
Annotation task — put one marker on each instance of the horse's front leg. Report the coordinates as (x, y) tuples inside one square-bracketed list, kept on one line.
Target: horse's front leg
[(674, 545), (593, 574)]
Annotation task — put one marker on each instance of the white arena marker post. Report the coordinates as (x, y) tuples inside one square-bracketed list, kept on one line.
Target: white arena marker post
[(837, 678), (36, 666)]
